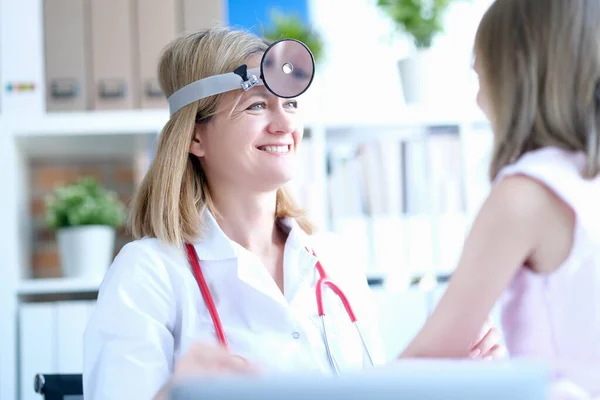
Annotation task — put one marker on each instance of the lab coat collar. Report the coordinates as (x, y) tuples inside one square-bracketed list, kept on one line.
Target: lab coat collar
[(297, 238), (298, 261), (215, 245)]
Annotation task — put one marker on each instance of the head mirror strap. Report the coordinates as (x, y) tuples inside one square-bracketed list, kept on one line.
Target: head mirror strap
[(210, 86)]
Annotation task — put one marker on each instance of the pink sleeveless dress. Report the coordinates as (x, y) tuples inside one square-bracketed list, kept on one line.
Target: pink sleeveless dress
[(556, 317)]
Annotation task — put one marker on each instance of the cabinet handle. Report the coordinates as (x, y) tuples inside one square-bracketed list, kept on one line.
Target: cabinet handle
[(64, 88), (152, 89), (111, 88)]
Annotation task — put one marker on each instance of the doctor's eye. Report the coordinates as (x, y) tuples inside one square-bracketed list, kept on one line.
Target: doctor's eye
[(291, 104), (257, 106)]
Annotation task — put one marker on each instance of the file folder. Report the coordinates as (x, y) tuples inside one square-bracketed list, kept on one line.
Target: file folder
[(22, 60), (157, 26), (65, 35), (114, 54), (202, 14)]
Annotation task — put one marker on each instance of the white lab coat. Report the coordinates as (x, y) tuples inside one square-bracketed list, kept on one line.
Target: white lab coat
[(150, 310)]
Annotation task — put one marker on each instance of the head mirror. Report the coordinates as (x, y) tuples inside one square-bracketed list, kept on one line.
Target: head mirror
[(287, 70)]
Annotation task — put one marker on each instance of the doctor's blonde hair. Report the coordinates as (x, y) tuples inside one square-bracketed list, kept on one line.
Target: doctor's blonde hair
[(174, 192), (539, 66)]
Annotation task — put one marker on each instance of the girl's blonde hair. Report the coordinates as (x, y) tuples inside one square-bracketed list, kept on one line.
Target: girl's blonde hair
[(540, 67), (174, 192)]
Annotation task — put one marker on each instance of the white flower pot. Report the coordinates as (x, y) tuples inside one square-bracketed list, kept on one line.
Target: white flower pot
[(86, 252), (421, 78)]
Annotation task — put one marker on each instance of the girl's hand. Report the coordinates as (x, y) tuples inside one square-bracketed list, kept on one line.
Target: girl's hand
[(489, 345)]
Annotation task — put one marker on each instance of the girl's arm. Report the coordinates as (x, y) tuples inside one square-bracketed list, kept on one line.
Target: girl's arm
[(503, 237)]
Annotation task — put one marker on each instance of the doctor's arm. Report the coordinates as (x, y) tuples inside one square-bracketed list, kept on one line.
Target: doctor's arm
[(502, 239), (129, 342)]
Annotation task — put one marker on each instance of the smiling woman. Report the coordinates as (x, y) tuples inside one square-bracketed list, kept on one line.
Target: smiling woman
[(250, 147)]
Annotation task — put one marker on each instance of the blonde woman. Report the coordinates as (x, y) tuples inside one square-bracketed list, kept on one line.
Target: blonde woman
[(537, 237), (223, 271)]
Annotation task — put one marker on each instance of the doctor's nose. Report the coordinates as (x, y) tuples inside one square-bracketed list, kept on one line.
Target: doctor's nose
[(282, 122)]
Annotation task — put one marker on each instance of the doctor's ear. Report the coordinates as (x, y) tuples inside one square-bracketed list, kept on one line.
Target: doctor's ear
[(196, 146)]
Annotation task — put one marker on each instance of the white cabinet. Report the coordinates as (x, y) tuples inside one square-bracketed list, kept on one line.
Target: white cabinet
[(51, 340)]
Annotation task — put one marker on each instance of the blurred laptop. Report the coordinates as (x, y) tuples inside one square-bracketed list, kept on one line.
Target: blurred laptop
[(405, 380)]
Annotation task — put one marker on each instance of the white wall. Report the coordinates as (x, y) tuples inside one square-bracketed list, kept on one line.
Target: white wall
[(360, 73)]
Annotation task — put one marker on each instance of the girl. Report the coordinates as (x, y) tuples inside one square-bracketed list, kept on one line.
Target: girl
[(535, 244)]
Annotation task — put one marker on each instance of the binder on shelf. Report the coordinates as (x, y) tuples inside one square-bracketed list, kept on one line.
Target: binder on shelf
[(114, 55), (21, 60), (157, 26), (66, 40), (204, 14)]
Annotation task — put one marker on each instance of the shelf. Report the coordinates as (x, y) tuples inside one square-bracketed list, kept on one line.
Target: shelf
[(88, 134), (90, 123), (150, 122), (407, 118), (56, 286), (442, 115), (86, 146)]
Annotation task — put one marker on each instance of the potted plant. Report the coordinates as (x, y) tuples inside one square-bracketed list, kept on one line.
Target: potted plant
[(85, 217), (292, 27), (422, 20)]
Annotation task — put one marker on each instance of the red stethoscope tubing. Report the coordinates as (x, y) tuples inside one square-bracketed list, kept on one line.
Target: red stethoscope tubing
[(212, 309), (325, 281)]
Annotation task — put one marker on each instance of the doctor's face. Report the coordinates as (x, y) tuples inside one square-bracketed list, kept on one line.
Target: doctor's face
[(250, 144)]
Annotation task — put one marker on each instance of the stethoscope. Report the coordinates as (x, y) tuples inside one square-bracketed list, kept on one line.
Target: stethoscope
[(323, 281)]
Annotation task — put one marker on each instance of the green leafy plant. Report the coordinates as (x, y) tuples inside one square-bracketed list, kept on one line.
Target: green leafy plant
[(292, 27), (84, 202), (421, 19)]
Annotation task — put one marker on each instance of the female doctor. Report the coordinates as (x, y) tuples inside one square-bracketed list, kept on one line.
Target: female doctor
[(223, 272)]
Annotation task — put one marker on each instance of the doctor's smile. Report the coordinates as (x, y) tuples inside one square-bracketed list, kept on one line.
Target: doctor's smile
[(277, 149)]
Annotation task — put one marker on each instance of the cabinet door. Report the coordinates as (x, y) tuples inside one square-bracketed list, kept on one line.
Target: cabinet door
[(51, 340), (71, 320), (37, 345)]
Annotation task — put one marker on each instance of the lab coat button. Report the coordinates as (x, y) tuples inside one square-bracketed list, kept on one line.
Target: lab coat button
[(295, 335)]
